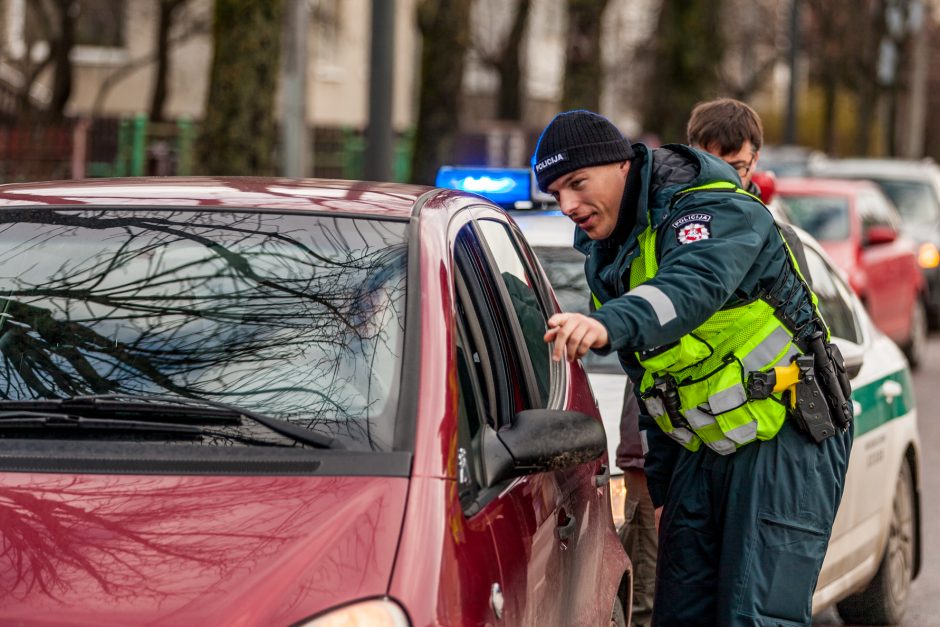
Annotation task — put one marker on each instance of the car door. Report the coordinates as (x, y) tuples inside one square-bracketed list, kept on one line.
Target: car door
[(559, 511), (521, 515)]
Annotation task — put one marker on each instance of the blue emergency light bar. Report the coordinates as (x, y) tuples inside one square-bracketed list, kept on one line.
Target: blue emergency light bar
[(504, 186)]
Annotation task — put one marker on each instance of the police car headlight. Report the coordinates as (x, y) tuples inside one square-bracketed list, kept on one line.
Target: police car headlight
[(374, 613), (618, 499), (928, 256)]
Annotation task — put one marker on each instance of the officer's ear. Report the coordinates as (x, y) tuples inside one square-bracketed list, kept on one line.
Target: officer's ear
[(625, 168)]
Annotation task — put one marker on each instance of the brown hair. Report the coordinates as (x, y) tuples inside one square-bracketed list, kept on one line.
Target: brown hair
[(724, 124)]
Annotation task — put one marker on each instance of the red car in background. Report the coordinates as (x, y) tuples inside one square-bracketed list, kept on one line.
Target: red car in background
[(860, 230), (275, 402)]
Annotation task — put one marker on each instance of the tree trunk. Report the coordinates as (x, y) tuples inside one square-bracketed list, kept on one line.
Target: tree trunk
[(584, 71), (688, 50), (509, 67), (167, 9), (239, 133), (445, 30), (60, 51)]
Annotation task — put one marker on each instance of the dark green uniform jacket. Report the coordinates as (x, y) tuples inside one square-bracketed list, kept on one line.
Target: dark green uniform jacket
[(716, 249)]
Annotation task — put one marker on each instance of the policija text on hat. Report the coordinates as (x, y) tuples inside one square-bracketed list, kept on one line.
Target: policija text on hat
[(695, 289)]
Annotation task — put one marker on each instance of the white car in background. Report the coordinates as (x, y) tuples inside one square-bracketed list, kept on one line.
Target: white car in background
[(875, 549)]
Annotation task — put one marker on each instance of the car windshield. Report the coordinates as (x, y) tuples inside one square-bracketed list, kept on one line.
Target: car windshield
[(565, 270), (825, 217), (915, 200), (299, 317)]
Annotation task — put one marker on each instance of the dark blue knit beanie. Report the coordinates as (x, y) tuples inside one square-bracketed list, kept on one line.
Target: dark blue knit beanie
[(574, 140)]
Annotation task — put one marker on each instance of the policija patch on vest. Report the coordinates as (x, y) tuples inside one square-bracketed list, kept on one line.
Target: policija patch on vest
[(692, 228)]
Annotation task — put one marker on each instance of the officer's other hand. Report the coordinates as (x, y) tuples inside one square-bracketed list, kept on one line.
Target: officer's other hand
[(658, 514), (574, 335)]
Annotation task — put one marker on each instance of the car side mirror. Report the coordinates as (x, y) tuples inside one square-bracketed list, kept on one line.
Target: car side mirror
[(852, 354), (541, 440), (879, 234)]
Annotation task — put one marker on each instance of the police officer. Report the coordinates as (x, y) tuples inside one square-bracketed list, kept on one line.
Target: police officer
[(696, 291)]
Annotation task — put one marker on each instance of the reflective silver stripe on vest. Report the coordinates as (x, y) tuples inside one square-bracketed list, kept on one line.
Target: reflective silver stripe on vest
[(726, 400), (662, 306), (786, 359), (654, 406), (767, 350), (724, 446), (744, 433), (698, 419), (681, 435)]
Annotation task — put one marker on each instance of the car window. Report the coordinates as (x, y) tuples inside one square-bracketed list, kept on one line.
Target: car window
[(493, 353), (565, 270), (825, 217), (881, 210), (297, 317), (527, 309), (915, 200), (835, 303)]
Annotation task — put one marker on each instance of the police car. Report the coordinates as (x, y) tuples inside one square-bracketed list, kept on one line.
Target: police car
[(875, 549)]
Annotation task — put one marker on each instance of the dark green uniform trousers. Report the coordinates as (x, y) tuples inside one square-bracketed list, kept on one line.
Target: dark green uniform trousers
[(743, 536)]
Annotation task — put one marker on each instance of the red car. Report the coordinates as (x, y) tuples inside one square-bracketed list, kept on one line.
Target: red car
[(274, 402), (860, 229)]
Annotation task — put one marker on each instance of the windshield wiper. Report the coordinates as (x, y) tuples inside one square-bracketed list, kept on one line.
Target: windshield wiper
[(28, 420), (35, 419), (170, 406)]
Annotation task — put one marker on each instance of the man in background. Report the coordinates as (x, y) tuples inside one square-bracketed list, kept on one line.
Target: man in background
[(730, 130)]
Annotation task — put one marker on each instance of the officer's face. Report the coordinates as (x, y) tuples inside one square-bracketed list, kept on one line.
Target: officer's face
[(591, 197), (744, 160)]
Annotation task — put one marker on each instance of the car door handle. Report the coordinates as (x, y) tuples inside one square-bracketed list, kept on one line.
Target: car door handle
[(603, 478), (890, 390), (564, 530)]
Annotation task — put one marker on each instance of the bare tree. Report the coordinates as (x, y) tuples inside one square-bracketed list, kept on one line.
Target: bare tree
[(168, 9), (49, 36), (688, 49), (239, 134), (584, 71), (506, 61), (445, 34)]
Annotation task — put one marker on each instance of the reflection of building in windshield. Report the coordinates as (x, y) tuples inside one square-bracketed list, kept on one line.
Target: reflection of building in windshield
[(263, 311), (565, 270)]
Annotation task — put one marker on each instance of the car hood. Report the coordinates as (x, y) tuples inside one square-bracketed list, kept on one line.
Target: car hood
[(191, 550)]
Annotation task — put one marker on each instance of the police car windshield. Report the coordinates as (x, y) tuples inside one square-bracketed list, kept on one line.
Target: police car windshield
[(565, 270), (825, 217), (297, 317)]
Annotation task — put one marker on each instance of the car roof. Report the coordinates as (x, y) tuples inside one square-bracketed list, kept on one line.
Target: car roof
[(877, 168), (831, 186), (320, 195), (549, 229)]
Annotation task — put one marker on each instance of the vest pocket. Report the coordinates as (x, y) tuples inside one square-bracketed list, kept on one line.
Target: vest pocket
[(674, 357)]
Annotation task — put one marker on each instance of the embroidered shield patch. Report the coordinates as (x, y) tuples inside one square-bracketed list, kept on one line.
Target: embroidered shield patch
[(692, 232)]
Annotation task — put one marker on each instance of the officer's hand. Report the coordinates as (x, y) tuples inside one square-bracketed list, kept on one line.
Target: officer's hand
[(658, 514), (574, 335)]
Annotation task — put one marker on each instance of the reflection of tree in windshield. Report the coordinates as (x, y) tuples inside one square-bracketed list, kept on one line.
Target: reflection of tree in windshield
[(294, 316)]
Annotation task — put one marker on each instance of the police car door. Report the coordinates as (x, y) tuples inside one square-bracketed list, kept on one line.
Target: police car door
[(882, 397)]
